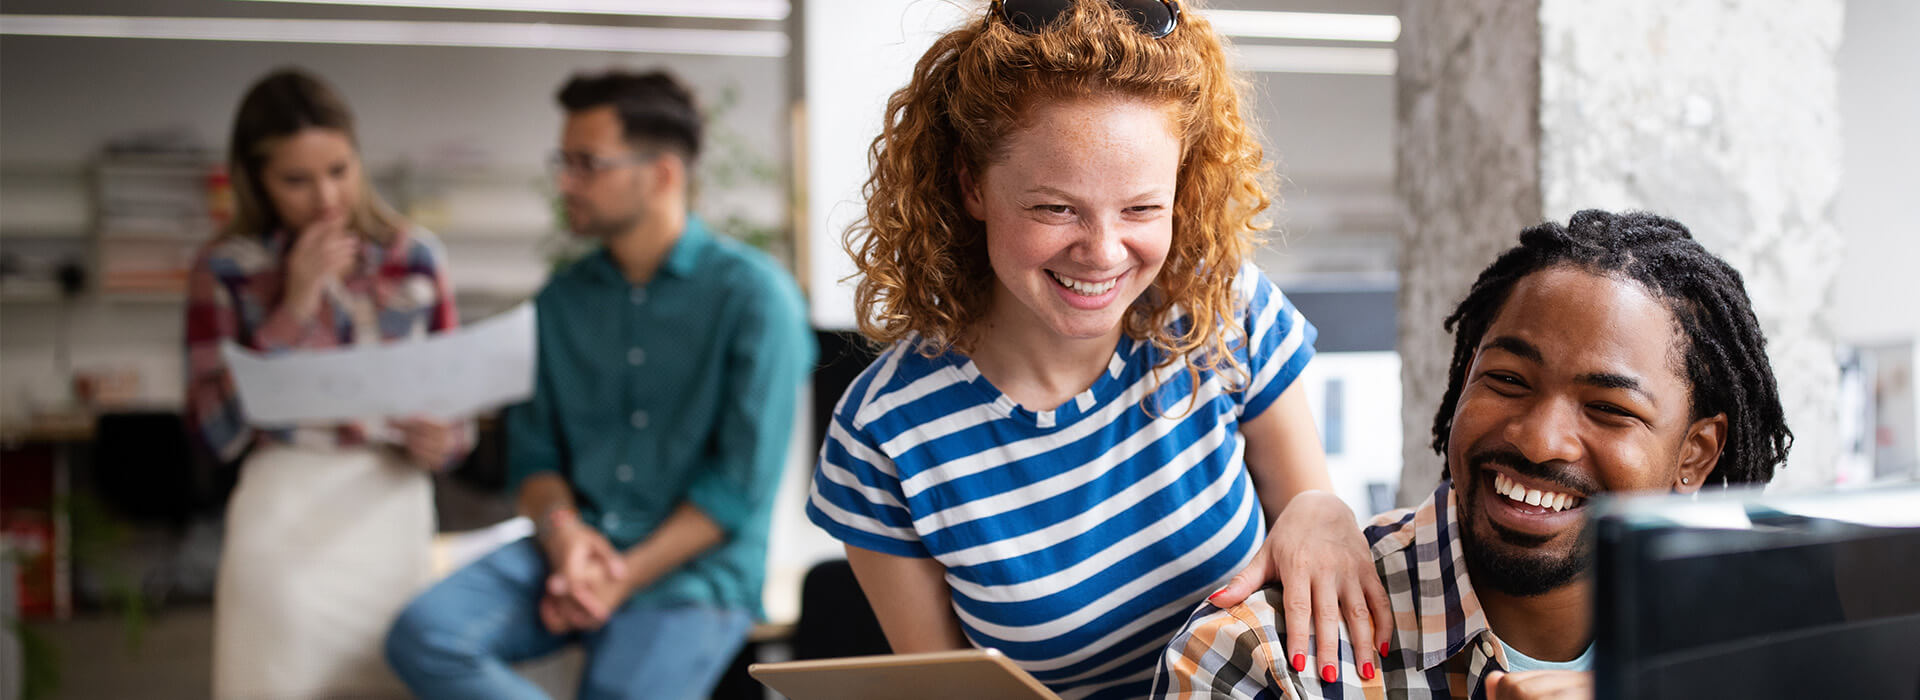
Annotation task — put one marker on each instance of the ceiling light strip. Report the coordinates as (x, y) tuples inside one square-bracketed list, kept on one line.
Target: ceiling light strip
[(1316, 26), (772, 10), (1335, 60), (572, 37)]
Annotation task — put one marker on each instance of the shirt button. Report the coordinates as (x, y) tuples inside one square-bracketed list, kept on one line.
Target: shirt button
[(639, 296), (609, 521), (623, 472), (639, 420), (636, 356)]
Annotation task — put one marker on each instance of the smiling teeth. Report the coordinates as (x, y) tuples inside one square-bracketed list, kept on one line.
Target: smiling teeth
[(1552, 500), (1087, 289)]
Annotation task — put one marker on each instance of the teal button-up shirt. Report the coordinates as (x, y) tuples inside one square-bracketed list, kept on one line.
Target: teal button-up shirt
[(682, 389)]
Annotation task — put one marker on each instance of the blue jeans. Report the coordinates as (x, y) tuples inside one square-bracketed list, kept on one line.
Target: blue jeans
[(457, 639)]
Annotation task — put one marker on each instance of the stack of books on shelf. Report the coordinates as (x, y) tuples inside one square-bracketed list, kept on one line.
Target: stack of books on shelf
[(153, 215)]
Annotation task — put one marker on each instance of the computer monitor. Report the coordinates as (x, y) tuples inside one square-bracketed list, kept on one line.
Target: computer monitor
[(1740, 594)]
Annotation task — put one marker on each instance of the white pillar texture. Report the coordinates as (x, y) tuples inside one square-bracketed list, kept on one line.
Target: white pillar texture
[(1721, 115)]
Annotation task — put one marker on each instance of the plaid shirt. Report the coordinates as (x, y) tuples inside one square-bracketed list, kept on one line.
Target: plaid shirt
[(233, 290), (1442, 647)]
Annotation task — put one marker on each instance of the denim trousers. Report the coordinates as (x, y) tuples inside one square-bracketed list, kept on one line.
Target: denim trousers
[(459, 638)]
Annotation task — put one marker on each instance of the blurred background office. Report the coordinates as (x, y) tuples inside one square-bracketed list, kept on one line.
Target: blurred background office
[(113, 114)]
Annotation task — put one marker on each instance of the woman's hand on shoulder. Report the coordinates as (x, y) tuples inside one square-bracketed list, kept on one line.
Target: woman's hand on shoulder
[(1318, 555)]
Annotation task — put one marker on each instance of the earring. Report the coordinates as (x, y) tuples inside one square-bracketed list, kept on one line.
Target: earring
[(1684, 480)]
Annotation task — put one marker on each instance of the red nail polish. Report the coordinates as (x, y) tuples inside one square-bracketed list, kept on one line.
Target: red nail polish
[(1299, 663), (1366, 671), (1216, 594), (1329, 674), (1384, 649)]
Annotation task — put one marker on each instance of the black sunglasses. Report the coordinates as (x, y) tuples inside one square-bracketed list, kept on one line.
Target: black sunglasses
[(1155, 18)]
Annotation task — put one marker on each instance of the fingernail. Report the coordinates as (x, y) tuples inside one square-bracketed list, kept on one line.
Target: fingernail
[(1216, 594), (1329, 674), (1299, 663), (1366, 671), (1384, 649)]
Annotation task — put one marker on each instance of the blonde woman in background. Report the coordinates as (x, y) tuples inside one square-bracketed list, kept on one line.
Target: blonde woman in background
[(328, 530)]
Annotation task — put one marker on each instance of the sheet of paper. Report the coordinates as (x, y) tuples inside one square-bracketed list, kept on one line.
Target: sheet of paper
[(451, 375)]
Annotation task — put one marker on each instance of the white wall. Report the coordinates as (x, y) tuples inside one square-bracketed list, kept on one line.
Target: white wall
[(1877, 295), (1360, 430), (857, 53)]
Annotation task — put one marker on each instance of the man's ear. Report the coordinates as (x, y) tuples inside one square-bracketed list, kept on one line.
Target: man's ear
[(669, 172), (970, 192), (1700, 452)]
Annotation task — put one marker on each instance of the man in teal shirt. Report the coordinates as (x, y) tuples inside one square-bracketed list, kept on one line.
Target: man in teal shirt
[(670, 365)]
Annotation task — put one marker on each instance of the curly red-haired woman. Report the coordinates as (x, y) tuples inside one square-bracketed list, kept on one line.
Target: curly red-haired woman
[(1087, 418)]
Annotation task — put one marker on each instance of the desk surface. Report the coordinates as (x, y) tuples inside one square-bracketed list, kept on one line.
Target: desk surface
[(66, 426)]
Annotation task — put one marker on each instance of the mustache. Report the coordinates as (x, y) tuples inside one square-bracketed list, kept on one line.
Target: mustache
[(1556, 473)]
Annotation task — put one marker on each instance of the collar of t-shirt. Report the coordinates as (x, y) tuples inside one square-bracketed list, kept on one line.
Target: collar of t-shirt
[(1518, 662)]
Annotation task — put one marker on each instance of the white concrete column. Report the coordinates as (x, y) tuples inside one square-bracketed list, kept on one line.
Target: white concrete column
[(1723, 116)]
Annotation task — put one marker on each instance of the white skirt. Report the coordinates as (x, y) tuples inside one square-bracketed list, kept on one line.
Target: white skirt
[(322, 549)]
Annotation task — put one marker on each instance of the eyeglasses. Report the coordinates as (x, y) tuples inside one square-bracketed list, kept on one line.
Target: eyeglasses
[(585, 166), (1154, 18)]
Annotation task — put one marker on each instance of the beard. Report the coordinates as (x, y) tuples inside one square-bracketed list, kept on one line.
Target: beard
[(596, 226), (1512, 562)]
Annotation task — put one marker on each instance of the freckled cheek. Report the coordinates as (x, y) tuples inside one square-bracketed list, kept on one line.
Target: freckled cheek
[(1020, 243), (1154, 248)]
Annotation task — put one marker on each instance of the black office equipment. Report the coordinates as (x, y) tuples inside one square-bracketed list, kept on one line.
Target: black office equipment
[(1745, 595)]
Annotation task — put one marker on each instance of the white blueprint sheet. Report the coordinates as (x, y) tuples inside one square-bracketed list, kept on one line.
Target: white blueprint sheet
[(450, 375)]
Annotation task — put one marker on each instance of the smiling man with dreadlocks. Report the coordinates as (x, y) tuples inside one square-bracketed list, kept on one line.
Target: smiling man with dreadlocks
[(1610, 354)]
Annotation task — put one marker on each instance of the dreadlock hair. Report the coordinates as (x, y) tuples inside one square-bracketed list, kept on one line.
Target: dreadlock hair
[(1726, 357)]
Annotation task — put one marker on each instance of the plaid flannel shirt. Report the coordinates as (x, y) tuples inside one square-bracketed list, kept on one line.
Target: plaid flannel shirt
[(236, 285), (1441, 648)]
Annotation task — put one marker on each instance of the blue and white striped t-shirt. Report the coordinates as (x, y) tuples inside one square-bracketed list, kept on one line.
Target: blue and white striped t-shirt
[(1076, 540)]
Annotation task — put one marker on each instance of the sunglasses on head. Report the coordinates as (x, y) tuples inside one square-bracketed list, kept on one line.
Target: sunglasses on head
[(1154, 18)]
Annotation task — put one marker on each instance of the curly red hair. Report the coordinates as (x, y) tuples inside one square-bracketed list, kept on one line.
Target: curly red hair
[(923, 260)]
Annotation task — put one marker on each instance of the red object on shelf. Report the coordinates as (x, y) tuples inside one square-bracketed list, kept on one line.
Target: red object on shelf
[(219, 196)]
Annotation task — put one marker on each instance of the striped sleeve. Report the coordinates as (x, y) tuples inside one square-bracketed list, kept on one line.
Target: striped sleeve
[(856, 494), (1279, 341)]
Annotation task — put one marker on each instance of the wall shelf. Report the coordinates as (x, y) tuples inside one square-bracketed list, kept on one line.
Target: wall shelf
[(155, 298), (11, 296), (134, 221)]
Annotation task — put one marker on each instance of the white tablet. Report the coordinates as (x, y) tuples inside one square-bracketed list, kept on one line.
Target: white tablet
[(968, 674)]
